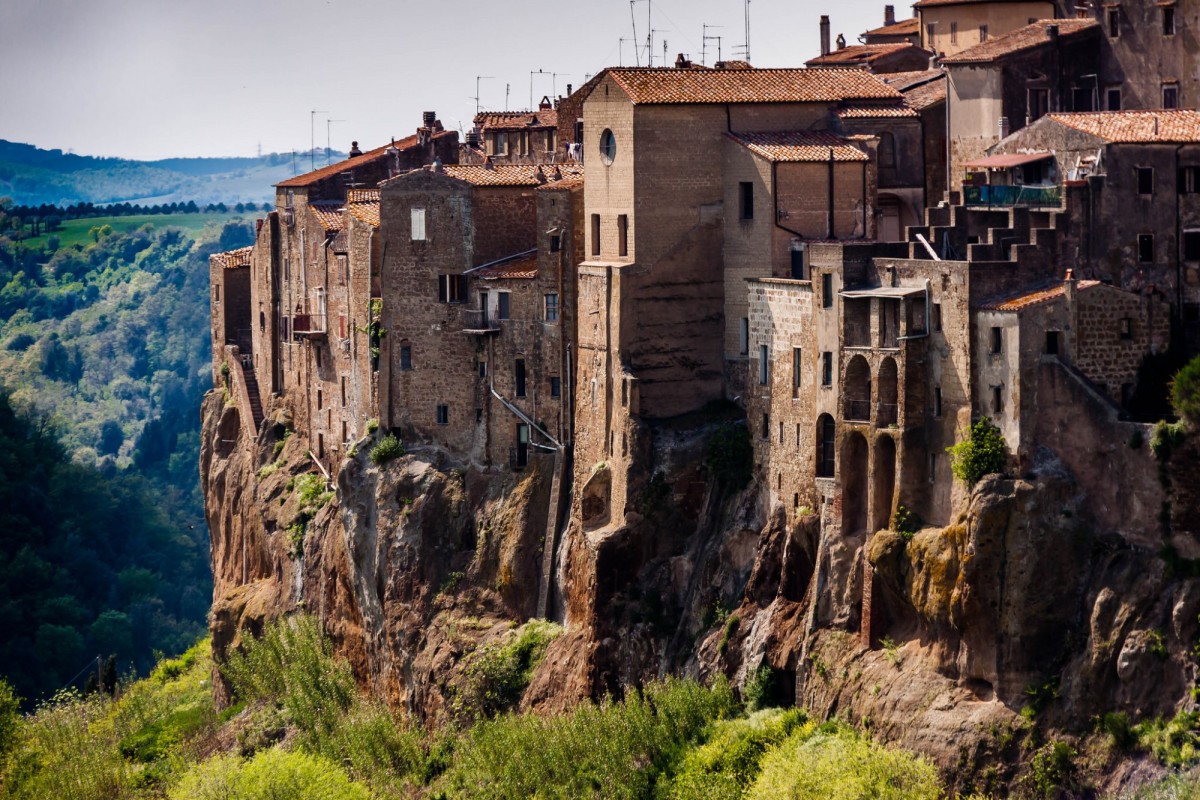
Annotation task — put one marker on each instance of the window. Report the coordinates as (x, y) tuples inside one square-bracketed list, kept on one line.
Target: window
[(555, 243), (1125, 328), (1145, 247), (764, 360), (1038, 103), (443, 415), (552, 307), (997, 340), (1170, 95), (1145, 180), (797, 364), (1052, 343), (503, 306), (797, 261), (781, 431), (983, 33), (1114, 99), (933, 467), (744, 336), (827, 290), (797, 435), (500, 144), (262, 322), (937, 316), (418, 224), (887, 150), (285, 329), (746, 200), (766, 425), (826, 443), (622, 235), (937, 401), (522, 454), (556, 387), (827, 368), (1191, 245), (519, 377), (1168, 20), (1189, 180), (482, 369), (320, 403), (953, 33), (217, 293), (997, 399), (608, 146), (930, 32), (1114, 23), (343, 397), (595, 234), (452, 288)]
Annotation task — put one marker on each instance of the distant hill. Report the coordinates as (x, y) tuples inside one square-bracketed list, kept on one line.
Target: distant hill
[(32, 176)]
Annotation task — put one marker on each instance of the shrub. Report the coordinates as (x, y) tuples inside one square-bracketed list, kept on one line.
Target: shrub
[(311, 493), (1185, 393), (1174, 742), (496, 675), (728, 762), (982, 452), (905, 523), (372, 426), (838, 764), (1052, 769), (730, 456), (270, 775), (1165, 437), (1116, 725), (386, 450), (762, 688), (10, 718)]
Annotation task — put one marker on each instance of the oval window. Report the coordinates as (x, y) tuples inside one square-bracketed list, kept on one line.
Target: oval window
[(608, 146)]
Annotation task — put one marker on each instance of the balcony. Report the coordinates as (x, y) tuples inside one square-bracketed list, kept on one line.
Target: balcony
[(998, 195), (858, 410), (478, 321), (309, 326)]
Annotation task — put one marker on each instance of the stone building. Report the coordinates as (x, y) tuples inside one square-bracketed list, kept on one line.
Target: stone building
[(476, 353), (1148, 53), (907, 31), (515, 137), (878, 58), (951, 26)]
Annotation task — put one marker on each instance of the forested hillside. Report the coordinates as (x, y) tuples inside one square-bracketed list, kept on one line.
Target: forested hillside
[(32, 176), (103, 360)]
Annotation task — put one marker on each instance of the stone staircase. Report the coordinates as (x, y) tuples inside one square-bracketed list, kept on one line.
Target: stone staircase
[(256, 409), (557, 481), (963, 233)]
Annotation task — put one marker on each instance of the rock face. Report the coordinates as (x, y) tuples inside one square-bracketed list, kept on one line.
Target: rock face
[(935, 640)]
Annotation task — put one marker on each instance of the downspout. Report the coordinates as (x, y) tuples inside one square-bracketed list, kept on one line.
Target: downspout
[(516, 411), (928, 312), (775, 199), (864, 199), (829, 224), (949, 169)]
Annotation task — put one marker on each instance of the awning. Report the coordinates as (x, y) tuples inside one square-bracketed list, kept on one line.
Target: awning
[(896, 292), (1006, 160)]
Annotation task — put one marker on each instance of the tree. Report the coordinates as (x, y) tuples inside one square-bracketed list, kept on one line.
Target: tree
[(1185, 393), (982, 452), (10, 718)]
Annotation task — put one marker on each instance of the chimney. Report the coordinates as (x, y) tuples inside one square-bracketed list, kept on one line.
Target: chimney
[(487, 163), (545, 104), (1002, 127), (428, 118), (354, 151), (1052, 32), (568, 90), (889, 15), (841, 41), (824, 34), (682, 63)]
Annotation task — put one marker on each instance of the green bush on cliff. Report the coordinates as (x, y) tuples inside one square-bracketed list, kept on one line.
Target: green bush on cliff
[(10, 718), (1185, 393), (982, 452), (495, 676), (387, 449), (730, 456), (270, 775)]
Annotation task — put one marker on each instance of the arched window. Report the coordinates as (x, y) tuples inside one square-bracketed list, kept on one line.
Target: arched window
[(825, 446), (887, 150)]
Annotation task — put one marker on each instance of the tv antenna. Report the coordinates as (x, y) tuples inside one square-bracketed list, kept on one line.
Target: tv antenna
[(507, 92), (479, 78), (705, 39), (328, 150), (650, 46), (649, 40), (312, 147), (746, 46)]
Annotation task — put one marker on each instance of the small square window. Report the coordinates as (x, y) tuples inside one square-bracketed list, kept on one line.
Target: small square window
[(595, 234), (519, 377), (1114, 23), (556, 387), (1170, 95), (953, 33), (1126, 328), (1145, 180), (1145, 248), (1114, 99), (502, 308), (797, 365), (482, 366), (1051, 343), (764, 356), (443, 415), (766, 425), (937, 316), (937, 401), (798, 263), (623, 235)]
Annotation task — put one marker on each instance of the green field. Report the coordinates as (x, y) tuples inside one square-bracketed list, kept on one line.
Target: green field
[(76, 231)]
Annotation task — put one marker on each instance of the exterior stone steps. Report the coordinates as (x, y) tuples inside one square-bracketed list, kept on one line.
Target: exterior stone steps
[(256, 410), (549, 542)]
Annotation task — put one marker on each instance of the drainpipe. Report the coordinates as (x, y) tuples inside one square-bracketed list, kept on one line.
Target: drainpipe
[(864, 199), (928, 312), (775, 199), (829, 225), (516, 411)]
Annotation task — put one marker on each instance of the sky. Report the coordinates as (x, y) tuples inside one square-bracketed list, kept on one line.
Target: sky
[(148, 79)]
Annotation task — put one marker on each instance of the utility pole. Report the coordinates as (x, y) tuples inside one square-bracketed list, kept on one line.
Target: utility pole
[(507, 92), (312, 148), (328, 149)]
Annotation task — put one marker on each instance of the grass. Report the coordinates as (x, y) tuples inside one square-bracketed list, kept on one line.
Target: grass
[(76, 231)]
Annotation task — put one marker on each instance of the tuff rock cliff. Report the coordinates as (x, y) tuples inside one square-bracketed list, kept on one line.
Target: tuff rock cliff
[(1017, 626)]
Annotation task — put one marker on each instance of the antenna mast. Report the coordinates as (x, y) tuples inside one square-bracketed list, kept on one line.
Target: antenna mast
[(312, 147), (747, 30), (479, 78), (328, 149), (704, 40)]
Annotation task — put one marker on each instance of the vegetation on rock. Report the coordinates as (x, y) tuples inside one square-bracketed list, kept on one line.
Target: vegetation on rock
[(982, 452)]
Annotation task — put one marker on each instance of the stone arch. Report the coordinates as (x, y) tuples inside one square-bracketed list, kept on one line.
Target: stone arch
[(887, 387), (856, 390), (884, 474), (826, 446), (854, 474)]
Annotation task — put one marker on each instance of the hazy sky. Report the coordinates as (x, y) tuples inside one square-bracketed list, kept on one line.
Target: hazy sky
[(157, 78)]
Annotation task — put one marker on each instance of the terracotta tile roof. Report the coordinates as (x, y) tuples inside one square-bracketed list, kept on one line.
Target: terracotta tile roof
[(1022, 39), (512, 174), (1131, 127), (907, 80), (1037, 297), (669, 86), (523, 266), (363, 205), (859, 54), (734, 64), (799, 146), (926, 95), (874, 112), (231, 259), (309, 178), (571, 182), (329, 215), (518, 120), (905, 27), (928, 3)]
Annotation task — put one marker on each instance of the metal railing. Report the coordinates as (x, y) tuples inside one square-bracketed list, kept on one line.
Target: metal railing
[(477, 319), (999, 195)]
